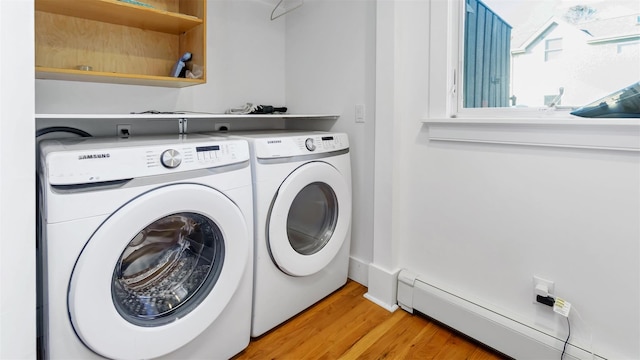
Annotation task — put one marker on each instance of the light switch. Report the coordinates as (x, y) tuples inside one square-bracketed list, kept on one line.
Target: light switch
[(359, 113)]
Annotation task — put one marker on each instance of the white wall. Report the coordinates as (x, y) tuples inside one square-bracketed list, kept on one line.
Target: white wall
[(330, 67), (480, 220), (17, 183)]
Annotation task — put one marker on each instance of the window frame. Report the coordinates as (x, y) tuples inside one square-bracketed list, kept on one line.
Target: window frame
[(455, 17), (553, 127), (555, 51)]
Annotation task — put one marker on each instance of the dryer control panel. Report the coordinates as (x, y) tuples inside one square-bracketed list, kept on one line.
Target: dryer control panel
[(69, 164), (288, 146)]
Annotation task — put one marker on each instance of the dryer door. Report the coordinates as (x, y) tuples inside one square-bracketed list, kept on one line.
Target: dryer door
[(158, 272), (310, 219)]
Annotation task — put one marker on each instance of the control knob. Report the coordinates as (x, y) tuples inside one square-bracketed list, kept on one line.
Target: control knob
[(309, 144), (171, 158)]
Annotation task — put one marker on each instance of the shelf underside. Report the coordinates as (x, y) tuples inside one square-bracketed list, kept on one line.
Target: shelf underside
[(121, 13)]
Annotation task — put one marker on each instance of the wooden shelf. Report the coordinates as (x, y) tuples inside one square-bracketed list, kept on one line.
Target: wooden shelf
[(114, 78), (123, 43), (122, 13)]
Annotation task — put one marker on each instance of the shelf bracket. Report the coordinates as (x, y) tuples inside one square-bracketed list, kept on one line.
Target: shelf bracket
[(182, 126)]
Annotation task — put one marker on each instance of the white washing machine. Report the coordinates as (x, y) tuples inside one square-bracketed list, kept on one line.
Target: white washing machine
[(302, 191), (145, 247)]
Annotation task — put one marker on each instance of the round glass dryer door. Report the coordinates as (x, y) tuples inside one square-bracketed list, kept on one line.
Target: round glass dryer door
[(158, 272), (309, 220), (312, 218)]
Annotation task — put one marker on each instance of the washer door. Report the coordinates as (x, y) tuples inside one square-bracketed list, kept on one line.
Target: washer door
[(158, 272), (310, 219)]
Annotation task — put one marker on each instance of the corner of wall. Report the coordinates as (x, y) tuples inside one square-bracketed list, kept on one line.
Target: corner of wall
[(358, 271), (383, 286)]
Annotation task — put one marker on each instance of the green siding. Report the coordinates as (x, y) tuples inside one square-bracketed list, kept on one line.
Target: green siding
[(487, 40)]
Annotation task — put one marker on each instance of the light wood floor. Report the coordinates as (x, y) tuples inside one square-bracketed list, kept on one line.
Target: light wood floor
[(345, 325)]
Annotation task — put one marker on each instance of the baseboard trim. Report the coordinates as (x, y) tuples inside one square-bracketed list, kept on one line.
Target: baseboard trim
[(358, 271), (509, 336), (383, 287), (388, 307)]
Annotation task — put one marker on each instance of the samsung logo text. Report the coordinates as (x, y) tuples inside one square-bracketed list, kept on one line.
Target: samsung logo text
[(93, 156)]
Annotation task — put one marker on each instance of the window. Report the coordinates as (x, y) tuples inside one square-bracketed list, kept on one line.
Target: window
[(553, 49), (628, 47), (540, 54)]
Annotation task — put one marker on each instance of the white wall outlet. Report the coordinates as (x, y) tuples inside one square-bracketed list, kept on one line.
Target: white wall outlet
[(360, 113), (540, 286), (123, 130), (222, 127)]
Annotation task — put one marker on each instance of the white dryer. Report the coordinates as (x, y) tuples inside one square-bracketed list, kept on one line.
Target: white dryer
[(302, 191), (145, 247)]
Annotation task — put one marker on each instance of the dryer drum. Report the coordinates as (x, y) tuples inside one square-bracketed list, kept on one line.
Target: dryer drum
[(312, 218), (166, 266)]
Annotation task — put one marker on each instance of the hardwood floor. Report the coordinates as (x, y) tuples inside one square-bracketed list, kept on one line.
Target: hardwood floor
[(345, 325)]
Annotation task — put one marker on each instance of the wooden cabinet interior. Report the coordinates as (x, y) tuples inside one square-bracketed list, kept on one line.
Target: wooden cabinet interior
[(121, 42)]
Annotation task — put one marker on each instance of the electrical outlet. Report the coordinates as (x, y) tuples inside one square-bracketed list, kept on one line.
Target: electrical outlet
[(123, 130), (222, 126), (540, 283)]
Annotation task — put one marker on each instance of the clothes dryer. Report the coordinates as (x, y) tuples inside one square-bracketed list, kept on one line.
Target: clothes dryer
[(145, 247), (302, 196)]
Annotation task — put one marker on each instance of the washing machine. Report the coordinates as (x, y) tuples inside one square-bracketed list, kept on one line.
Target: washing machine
[(145, 247), (302, 196)]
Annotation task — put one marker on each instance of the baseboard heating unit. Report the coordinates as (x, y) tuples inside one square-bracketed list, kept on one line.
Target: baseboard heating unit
[(506, 335)]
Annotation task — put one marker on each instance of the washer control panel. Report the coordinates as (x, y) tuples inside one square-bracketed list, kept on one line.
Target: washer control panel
[(84, 165), (296, 145)]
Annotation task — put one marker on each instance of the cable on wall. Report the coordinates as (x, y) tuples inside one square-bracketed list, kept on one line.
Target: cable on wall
[(284, 12)]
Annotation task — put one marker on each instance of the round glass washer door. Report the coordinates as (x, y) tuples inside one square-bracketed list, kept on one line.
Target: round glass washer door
[(310, 219), (167, 269), (158, 272)]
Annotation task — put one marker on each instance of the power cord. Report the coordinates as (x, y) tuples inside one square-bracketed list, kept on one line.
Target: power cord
[(66, 129), (566, 341), (553, 302)]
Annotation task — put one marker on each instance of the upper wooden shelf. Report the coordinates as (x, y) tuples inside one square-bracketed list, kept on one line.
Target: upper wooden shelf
[(114, 78), (121, 13)]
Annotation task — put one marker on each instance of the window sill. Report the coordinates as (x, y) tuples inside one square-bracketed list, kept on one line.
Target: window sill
[(582, 133)]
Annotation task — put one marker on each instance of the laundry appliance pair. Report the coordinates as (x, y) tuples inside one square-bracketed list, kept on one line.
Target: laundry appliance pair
[(146, 246)]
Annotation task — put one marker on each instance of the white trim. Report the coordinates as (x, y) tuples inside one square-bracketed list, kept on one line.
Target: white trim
[(383, 286), (501, 332), (523, 47), (605, 134), (188, 115), (388, 307), (358, 271), (574, 120), (629, 38)]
